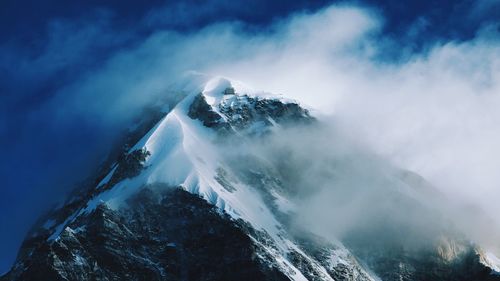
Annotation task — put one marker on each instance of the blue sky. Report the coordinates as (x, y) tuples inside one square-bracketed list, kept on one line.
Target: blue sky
[(55, 125)]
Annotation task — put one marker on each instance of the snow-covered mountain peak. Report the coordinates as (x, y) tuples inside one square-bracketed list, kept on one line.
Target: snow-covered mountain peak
[(172, 194), (231, 107)]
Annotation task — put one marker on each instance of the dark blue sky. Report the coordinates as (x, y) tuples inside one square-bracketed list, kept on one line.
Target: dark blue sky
[(48, 44)]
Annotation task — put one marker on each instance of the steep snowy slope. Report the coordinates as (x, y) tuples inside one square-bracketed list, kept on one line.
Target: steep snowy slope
[(145, 220)]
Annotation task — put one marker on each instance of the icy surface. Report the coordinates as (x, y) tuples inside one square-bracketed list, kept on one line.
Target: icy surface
[(492, 261)]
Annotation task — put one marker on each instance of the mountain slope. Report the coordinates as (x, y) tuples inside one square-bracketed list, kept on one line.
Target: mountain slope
[(146, 220)]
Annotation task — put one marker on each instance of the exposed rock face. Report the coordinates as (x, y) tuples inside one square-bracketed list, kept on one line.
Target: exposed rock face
[(393, 260), (174, 235), (428, 249), (243, 113), (163, 232), (200, 110)]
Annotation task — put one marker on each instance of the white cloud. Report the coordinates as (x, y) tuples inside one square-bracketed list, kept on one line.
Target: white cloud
[(435, 113)]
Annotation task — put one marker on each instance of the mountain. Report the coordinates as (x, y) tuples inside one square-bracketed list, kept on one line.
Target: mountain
[(191, 196)]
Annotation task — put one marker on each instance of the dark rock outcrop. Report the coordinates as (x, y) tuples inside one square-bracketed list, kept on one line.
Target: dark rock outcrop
[(172, 235), (243, 113)]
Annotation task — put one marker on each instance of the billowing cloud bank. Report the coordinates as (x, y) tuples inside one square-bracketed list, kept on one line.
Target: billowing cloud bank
[(435, 113)]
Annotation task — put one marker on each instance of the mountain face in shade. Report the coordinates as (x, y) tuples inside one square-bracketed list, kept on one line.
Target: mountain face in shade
[(172, 205)]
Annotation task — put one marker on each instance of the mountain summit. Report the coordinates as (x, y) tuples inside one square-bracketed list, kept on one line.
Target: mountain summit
[(188, 199)]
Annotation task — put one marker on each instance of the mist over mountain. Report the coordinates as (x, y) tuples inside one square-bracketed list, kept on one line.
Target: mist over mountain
[(225, 171), (362, 154)]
